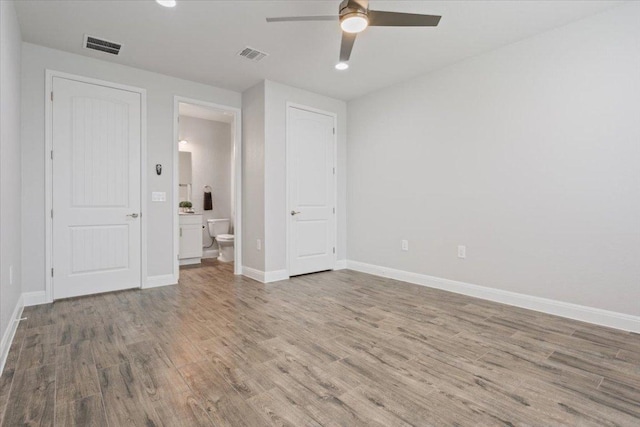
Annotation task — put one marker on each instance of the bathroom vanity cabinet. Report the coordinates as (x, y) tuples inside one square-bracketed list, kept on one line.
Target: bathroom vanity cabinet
[(190, 239)]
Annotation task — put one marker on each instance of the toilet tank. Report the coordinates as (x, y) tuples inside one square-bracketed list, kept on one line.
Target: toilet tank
[(218, 226)]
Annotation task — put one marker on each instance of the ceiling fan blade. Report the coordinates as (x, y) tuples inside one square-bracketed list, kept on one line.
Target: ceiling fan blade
[(397, 19), (304, 18), (348, 39)]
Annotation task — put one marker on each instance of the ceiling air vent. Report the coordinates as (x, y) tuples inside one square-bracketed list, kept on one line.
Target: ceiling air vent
[(252, 54), (95, 43)]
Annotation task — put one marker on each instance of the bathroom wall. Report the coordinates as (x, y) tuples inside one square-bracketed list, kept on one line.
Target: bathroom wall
[(161, 90), (211, 148)]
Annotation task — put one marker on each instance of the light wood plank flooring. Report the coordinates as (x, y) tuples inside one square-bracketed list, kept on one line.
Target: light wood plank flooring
[(335, 348)]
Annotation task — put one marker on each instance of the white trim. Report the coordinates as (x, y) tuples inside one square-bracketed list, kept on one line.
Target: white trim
[(341, 264), (49, 75), (161, 280), (265, 276), (275, 276), (34, 298), (252, 273), (10, 332), (333, 115), (593, 315), (237, 178)]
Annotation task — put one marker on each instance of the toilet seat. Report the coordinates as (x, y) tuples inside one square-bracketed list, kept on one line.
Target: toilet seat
[(225, 238)]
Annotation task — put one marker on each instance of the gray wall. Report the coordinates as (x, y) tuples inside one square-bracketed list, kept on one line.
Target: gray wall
[(10, 173), (160, 92), (210, 145), (529, 155), (253, 176)]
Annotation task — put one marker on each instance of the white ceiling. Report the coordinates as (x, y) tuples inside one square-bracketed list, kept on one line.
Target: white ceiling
[(199, 40), (199, 112)]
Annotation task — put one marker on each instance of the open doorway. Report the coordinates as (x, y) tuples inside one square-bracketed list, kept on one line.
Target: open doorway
[(207, 183)]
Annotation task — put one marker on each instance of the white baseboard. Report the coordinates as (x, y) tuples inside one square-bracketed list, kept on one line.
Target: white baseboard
[(593, 315), (265, 277), (9, 333), (161, 280), (34, 298), (252, 273), (341, 264), (276, 276)]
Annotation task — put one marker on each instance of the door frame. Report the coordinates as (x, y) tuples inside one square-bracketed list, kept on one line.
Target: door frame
[(48, 145), (236, 191), (289, 171)]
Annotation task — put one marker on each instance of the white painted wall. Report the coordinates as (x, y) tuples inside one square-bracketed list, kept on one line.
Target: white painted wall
[(276, 98), (160, 92), (253, 196), (10, 171), (210, 145), (529, 155)]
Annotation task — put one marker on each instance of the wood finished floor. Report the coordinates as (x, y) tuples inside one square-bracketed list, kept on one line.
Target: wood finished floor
[(336, 348)]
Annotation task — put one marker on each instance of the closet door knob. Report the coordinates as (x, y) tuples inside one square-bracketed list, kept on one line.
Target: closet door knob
[(294, 213), (133, 215)]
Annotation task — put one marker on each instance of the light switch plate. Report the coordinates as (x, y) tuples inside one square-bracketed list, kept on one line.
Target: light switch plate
[(405, 245), (158, 196)]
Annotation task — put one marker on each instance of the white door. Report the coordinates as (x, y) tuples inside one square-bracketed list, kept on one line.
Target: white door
[(96, 188), (310, 162)]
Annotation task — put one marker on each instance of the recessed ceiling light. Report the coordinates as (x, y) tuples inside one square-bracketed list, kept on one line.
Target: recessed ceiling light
[(166, 3), (342, 66), (183, 142), (355, 22)]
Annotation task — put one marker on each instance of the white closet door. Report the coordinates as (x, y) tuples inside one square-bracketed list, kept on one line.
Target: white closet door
[(310, 159), (96, 188)]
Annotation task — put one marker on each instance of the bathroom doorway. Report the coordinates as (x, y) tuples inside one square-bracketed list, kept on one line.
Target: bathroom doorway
[(207, 188)]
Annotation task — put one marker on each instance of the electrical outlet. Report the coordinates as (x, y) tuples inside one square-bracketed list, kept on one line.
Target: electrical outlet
[(259, 244), (11, 275), (405, 245), (462, 251)]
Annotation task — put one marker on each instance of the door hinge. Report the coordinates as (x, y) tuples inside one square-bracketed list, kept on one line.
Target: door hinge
[(334, 211), (334, 171), (51, 213), (51, 154), (334, 131), (52, 96), (334, 250), (52, 272)]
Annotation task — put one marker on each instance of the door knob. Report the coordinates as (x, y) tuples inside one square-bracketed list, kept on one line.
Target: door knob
[(133, 215), (294, 213)]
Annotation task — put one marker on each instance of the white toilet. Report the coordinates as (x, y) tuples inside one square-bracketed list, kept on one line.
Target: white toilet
[(219, 228)]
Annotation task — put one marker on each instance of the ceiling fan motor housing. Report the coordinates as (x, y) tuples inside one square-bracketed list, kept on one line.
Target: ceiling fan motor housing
[(347, 7)]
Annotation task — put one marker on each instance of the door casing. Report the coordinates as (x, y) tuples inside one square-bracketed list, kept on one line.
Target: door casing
[(289, 170), (48, 146), (237, 178)]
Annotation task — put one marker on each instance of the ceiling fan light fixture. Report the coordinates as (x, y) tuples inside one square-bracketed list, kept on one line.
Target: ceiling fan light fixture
[(354, 22), (342, 66), (166, 3)]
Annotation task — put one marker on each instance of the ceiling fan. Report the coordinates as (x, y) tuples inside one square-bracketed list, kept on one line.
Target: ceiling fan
[(355, 17)]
